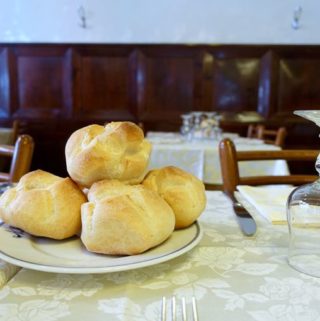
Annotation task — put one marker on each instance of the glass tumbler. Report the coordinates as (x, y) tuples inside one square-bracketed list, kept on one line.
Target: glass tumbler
[(303, 214)]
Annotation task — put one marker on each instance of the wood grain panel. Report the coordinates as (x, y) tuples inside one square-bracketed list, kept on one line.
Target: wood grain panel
[(299, 84), (167, 82), (42, 83), (4, 83), (268, 84), (105, 85), (235, 84)]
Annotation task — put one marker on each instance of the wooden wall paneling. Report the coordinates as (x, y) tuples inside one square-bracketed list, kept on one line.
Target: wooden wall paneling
[(169, 83), (4, 83), (207, 90), (134, 82), (13, 82), (68, 80), (41, 89), (105, 83), (235, 80), (299, 83), (57, 88), (268, 84)]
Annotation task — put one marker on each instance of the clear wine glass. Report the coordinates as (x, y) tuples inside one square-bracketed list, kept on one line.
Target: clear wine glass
[(197, 132), (186, 127), (303, 214)]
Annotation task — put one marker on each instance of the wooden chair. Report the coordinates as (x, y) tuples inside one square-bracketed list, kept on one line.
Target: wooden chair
[(229, 159), (21, 156), (15, 129), (252, 131), (269, 136)]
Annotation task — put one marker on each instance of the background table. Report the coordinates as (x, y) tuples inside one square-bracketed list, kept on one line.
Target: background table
[(233, 278), (6, 136), (201, 158)]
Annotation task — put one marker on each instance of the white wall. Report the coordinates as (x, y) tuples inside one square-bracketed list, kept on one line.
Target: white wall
[(161, 21)]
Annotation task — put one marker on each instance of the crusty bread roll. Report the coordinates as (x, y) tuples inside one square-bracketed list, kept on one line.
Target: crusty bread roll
[(43, 204), (116, 151), (122, 219), (182, 191)]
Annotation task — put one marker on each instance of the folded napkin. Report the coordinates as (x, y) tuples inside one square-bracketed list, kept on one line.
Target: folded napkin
[(269, 201)]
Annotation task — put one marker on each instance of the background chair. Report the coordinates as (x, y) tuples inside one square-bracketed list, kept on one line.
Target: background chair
[(15, 130), (269, 136), (21, 156), (230, 158)]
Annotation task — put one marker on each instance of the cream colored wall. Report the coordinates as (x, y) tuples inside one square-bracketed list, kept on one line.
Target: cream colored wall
[(165, 21)]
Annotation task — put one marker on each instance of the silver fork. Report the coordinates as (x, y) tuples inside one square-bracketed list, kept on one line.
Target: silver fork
[(174, 309)]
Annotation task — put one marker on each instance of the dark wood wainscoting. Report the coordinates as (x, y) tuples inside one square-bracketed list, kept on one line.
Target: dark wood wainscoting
[(54, 89)]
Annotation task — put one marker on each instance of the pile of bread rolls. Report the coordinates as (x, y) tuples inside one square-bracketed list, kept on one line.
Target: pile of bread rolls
[(109, 199)]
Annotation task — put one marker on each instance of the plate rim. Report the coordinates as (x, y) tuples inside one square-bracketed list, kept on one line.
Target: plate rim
[(108, 269)]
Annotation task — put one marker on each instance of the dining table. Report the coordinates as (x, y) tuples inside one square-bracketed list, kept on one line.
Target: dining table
[(200, 157), (231, 276)]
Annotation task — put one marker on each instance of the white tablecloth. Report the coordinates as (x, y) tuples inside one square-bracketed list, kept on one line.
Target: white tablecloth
[(201, 158), (233, 277)]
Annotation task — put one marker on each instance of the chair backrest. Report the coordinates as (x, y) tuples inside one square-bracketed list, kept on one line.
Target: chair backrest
[(229, 162), (15, 130), (269, 136), (252, 131), (21, 156)]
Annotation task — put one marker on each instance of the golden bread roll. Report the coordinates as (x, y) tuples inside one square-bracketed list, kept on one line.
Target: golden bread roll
[(184, 192), (122, 219), (43, 204), (116, 151)]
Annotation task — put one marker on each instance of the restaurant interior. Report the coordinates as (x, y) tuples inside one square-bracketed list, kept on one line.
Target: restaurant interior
[(208, 84)]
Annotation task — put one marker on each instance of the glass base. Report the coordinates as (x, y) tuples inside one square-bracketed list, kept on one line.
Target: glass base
[(306, 263)]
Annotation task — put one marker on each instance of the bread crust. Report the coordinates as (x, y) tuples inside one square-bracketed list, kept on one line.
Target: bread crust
[(184, 192), (116, 151), (43, 204), (121, 219)]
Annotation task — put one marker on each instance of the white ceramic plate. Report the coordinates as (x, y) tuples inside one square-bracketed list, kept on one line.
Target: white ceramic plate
[(70, 256)]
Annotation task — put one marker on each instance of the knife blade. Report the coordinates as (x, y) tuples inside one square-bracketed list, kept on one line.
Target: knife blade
[(246, 222)]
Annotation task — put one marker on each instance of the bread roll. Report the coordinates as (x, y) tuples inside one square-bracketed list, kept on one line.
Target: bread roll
[(116, 151), (43, 204), (122, 219), (182, 191)]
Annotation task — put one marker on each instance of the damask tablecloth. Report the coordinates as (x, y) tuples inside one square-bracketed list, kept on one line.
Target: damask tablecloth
[(201, 158), (233, 277), (7, 271)]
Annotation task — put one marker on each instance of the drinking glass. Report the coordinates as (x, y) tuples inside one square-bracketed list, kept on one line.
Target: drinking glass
[(186, 127), (303, 214)]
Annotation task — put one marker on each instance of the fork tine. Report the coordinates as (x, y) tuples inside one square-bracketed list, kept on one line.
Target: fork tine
[(163, 309), (184, 309), (194, 309), (173, 308)]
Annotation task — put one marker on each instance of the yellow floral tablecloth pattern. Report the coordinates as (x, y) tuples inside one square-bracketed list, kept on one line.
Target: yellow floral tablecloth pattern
[(233, 277)]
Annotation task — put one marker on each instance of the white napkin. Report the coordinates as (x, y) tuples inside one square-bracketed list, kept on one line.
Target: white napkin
[(269, 201)]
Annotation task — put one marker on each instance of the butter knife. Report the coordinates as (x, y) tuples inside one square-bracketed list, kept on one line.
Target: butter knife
[(246, 222)]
